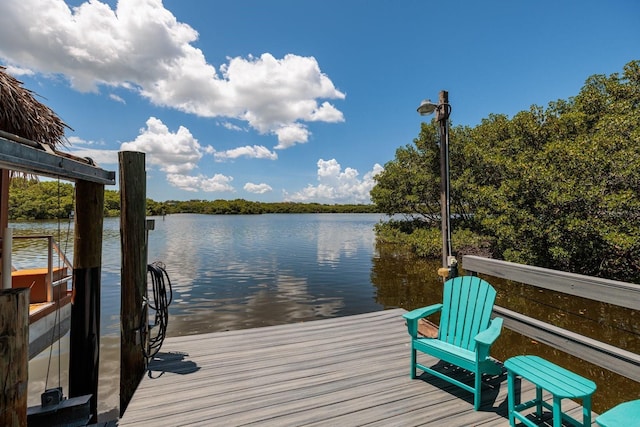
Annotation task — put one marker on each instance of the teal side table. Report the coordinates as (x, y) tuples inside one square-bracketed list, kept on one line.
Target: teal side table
[(561, 383)]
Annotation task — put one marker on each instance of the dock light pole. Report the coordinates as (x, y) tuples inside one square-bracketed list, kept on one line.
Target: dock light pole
[(443, 110)]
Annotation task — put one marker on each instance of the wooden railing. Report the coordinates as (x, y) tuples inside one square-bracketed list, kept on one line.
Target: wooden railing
[(622, 294)]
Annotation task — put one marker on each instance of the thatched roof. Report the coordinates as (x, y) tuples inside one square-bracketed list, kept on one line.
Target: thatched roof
[(21, 114)]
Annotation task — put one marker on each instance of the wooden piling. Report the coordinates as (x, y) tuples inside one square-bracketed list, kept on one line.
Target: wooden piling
[(4, 222), (14, 356), (4, 199), (133, 314), (84, 354)]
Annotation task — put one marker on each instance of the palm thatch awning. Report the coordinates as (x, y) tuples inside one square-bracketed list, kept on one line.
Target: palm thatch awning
[(30, 133), (22, 115)]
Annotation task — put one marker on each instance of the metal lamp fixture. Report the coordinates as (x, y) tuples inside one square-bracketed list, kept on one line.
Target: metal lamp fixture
[(427, 107)]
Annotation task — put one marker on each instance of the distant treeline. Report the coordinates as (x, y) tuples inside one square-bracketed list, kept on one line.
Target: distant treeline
[(30, 199), (242, 207)]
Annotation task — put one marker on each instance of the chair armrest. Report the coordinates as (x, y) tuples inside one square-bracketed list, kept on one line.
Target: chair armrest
[(419, 313), (413, 316), (487, 337)]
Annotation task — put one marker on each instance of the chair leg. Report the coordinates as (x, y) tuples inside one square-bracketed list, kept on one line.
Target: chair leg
[(477, 395), (413, 363)]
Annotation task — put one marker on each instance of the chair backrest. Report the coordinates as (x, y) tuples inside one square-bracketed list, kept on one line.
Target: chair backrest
[(466, 310)]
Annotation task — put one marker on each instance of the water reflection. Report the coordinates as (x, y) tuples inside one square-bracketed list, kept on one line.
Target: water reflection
[(235, 272), (239, 272), (337, 242), (404, 280)]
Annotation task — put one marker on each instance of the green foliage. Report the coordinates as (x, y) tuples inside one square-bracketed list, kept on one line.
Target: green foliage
[(31, 199), (556, 187), (244, 207), (426, 242), (410, 184), (111, 203)]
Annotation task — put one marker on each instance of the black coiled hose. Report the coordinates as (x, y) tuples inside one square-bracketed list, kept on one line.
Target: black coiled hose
[(162, 296)]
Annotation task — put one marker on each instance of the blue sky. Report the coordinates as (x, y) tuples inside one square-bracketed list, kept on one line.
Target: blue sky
[(286, 100)]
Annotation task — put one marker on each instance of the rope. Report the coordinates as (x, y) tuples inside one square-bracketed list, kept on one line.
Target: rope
[(162, 297), (57, 320)]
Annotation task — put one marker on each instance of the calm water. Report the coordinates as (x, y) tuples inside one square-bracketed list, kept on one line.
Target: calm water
[(234, 272), (227, 272)]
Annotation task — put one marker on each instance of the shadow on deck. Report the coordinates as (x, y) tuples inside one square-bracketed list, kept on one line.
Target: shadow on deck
[(343, 371)]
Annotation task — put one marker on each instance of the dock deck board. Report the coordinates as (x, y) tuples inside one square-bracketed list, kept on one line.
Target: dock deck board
[(343, 371)]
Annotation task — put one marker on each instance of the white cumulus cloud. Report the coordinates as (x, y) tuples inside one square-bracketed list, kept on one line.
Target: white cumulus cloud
[(177, 154), (142, 47), (174, 153), (257, 188), (216, 183), (337, 186), (291, 134), (254, 152)]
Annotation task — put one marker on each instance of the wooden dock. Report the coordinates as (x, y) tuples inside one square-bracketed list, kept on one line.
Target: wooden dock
[(346, 371)]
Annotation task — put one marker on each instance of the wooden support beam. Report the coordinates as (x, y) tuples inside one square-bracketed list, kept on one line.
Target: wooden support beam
[(4, 199), (84, 357), (14, 356), (4, 223), (23, 158), (133, 312)]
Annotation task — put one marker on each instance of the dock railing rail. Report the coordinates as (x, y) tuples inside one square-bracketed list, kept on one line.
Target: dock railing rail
[(51, 246), (613, 292)]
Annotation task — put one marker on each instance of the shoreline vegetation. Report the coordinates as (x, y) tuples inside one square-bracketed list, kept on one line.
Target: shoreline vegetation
[(31, 199)]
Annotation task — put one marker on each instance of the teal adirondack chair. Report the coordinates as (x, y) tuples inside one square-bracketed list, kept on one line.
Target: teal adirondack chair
[(465, 334)]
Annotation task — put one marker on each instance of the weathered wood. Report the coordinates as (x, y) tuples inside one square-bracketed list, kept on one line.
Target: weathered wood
[(594, 288), (336, 372), (134, 272), (21, 157), (14, 360), (84, 346), (5, 265), (4, 224), (4, 199)]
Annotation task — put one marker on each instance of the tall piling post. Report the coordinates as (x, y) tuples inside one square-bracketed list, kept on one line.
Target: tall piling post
[(5, 265), (84, 346), (133, 311), (14, 357)]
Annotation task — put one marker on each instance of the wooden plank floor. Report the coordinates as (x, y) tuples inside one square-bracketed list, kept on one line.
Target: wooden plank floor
[(346, 371)]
